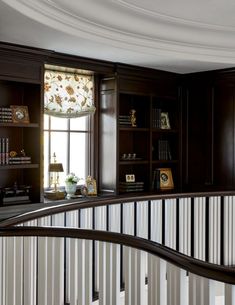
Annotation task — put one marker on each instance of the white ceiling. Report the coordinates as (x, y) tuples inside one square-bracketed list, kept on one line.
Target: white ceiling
[(180, 36)]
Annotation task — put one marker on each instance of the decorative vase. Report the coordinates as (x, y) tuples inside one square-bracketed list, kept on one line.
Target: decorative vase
[(70, 189)]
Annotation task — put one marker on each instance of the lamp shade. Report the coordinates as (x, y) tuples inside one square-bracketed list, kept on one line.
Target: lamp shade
[(56, 167)]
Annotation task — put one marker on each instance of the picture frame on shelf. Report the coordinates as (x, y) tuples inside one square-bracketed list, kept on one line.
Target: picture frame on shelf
[(165, 122), (20, 114), (91, 186), (166, 179)]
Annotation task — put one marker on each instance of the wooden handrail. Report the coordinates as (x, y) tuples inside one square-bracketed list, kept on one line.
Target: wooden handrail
[(67, 206), (195, 266)]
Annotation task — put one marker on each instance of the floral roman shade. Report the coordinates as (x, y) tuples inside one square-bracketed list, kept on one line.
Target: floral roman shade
[(68, 95)]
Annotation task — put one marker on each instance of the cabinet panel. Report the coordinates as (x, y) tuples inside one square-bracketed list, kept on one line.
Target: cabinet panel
[(21, 69), (224, 135), (108, 142)]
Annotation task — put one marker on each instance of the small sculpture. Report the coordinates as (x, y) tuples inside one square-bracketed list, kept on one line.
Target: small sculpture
[(133, 117)]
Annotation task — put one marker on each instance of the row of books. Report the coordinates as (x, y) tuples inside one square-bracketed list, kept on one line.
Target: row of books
[(125, 187), (4, 151), (5, 157), (5, 115), (20, 160), (124, 120), (156, 117), (164, 152), (156, 179), (15, 195)]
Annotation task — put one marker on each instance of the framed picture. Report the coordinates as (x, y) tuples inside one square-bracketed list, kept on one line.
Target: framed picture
[(130, 178), (20, 114), (166, 180), (165, 122), (91, 186)]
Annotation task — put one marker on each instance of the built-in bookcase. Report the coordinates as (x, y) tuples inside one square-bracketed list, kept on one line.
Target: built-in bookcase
[(20, 141), (140, 149)]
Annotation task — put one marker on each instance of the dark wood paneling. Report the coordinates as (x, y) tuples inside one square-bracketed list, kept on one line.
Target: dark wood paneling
[(107, 140), (224, 135)]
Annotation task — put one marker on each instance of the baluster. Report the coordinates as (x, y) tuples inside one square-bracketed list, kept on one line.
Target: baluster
[(201, 290), (113, 259), (44, 268), (170, 223), (72, 253), (185, 226), (173, 285), (30, 267), (100, 259), (14, 271), (85, 261), (229, 294), (129, 276), (156, 281)]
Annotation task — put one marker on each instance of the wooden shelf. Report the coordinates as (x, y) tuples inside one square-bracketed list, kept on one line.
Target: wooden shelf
[(29, 125), (18, 166), (165, 161), (165, 131), (133, 129), (133, 162)]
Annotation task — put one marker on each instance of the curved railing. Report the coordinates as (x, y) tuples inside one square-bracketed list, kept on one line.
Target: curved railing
[(201, 268), (104, 242)]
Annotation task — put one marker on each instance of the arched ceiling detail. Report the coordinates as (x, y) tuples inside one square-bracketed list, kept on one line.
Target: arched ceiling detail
[(182, 30)]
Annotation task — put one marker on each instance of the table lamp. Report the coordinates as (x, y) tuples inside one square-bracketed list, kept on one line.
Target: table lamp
[(54, 169)]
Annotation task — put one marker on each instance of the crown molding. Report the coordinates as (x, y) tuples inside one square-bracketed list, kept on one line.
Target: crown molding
[(117, 23)]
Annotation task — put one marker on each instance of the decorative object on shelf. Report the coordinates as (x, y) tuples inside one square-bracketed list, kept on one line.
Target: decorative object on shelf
[(71, 184), (129, 156), (91, 186), (165, 122), (17, 158), (54, 169), (133, 117), (84, 190), (130, 178), (68, 94), (166, 180), (20, 114)]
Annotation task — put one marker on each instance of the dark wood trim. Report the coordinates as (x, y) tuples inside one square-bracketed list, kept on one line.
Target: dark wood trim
[(195, 266)]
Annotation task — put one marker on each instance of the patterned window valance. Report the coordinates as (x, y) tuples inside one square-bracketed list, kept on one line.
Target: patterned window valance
[(68, 95)]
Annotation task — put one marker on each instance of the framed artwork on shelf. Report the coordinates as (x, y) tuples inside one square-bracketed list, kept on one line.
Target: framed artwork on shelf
[(165, 122), (166, 180), (91, 186), (20, 114)]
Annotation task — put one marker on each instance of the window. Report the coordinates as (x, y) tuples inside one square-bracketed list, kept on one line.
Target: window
[(68, 138)]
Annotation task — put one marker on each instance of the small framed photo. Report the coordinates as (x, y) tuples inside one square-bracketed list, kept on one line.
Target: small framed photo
[(91, 186), (165, 122), (20, 114), (130, 178), (166, 180)]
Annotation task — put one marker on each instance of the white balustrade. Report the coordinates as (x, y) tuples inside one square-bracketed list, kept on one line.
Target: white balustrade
[(58, 271)]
